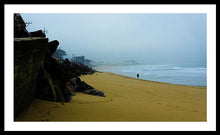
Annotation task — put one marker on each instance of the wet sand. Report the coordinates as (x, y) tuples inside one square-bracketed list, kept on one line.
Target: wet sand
[(127, 99)]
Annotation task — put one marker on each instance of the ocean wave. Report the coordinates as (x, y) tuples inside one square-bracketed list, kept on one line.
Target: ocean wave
[(165, 73), (173, 68)]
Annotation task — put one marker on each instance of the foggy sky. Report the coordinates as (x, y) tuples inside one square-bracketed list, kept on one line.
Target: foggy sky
[(146, 38)]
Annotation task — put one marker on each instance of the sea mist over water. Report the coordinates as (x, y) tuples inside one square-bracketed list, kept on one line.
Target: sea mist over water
[(174, 74), (156, 38), (152, 39)]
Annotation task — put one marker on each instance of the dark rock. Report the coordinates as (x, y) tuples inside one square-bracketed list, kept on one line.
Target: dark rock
[(79, 85), (85, 86), (38, 75), (59, 71), (44, 88), (76, 82), (70, 70), (81, 69), (67, 62), (51, 89), (94, 92), (20, 27), (29, 57), (53, 47), (52, 80), (38, 33), (69, 87)]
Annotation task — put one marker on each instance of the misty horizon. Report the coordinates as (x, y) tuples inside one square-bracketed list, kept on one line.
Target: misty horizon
[(113, 38)]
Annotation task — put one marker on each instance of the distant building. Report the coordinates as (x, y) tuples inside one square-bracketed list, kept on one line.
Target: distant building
[(81, 59), (129, 62)]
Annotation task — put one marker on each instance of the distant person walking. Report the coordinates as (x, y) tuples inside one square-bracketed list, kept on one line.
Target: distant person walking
[(137, 76)]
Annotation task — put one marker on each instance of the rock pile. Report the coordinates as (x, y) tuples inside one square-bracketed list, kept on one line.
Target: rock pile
[(38, 33), (37, 74), (20, 26), (58, 81), (81, 86)]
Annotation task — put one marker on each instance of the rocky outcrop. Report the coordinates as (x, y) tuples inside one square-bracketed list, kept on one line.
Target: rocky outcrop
[(52, 79), (38, 33), (20, 27), (29, 58), (53, 46), (38, 75), (81, 86), (94, 92), (70, 87)]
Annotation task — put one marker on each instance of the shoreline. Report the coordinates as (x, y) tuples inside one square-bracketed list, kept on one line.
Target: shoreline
[(191, 76), (153, 81), (127, 99)]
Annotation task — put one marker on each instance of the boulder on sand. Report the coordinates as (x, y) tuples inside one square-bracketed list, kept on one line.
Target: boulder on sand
[(70, 88), (81, 86), (94, 92)]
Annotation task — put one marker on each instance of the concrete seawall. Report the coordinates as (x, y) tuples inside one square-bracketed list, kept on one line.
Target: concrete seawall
[(29, 56)]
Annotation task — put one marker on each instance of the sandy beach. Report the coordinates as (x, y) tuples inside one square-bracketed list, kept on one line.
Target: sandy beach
[(127, 99)]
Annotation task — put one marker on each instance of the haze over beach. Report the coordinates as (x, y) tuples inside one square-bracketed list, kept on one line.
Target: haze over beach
[(168, 51), (145, 38), (174, 42)]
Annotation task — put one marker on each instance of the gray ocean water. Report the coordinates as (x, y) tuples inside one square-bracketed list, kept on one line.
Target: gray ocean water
[(174, 74)]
